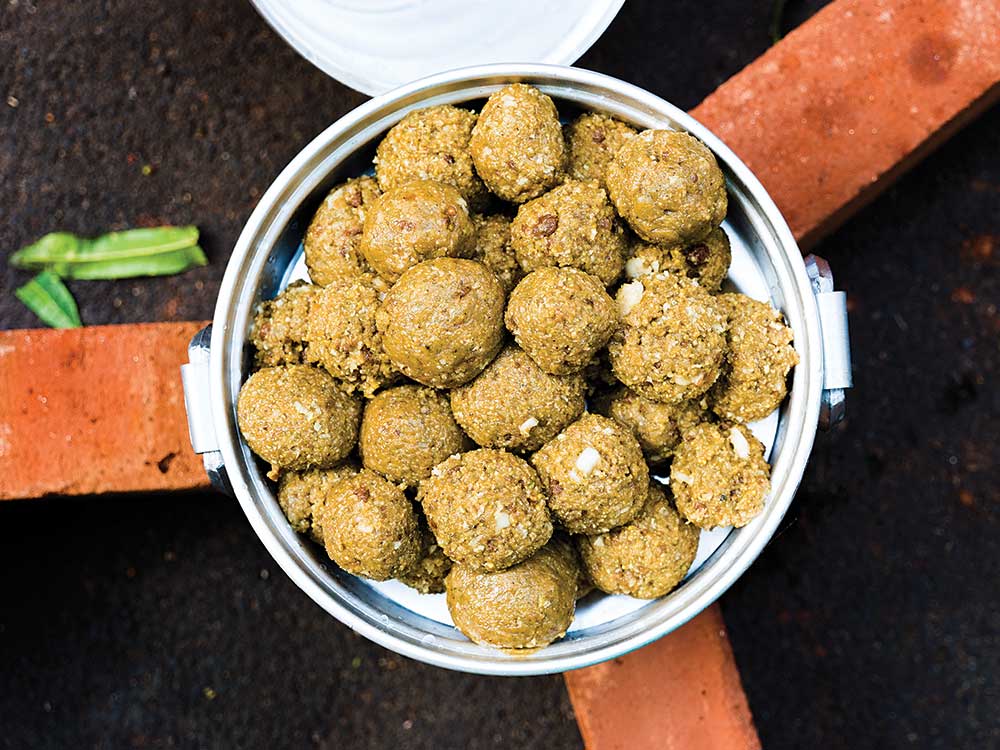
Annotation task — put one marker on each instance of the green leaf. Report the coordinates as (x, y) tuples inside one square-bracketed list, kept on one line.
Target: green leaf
[(48, 298), (159, 251)]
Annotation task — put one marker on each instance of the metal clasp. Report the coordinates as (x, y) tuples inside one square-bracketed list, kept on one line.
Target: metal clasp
[(832, 308), (198, 404)]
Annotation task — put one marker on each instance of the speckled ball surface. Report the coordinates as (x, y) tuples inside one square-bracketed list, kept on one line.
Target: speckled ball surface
[(406, 431), (486, 509), (561, 317), (431, 144), (719, 476), (333, 239), (415, 222), (370, 528), (442, 322), (595, 475), (647, 557), (672, 341), (517, 144), (516, 405), (520, 609), (297, 417), (668, 186), (572, 225)]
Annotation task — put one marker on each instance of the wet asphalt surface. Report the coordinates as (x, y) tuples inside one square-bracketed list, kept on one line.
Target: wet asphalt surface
[(871, 620)]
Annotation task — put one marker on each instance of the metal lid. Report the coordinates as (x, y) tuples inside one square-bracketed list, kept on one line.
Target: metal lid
[(376, 45)]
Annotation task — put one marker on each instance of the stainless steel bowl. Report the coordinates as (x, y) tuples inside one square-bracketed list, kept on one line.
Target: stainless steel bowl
[(767, 265)]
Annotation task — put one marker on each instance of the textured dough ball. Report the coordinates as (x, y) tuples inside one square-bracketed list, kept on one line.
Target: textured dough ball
[(561, 317), (344, 339), (719, 476), (517, 144), (657, 426), (493, 249), (431, 144), (334, 235), (428, 574), (672, 341), (486, 509), (572, 225), (297, 417), (523, 608), (280, 328), (592, 140), (370, 528), (442, 322), (415, 222), (646, 558), (760, 355), (514, 404), (595, 475), (302, 494), (406, 431), (668, 187), (707, 261)]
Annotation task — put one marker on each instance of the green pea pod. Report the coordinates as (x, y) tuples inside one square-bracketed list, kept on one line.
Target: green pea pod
[(159, 251), (159, 264), (48, 298)]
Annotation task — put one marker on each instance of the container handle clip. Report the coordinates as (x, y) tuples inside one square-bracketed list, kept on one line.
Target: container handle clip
[(832, 308), (198, 403)]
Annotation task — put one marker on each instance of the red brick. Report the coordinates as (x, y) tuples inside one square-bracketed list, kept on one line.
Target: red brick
[(96, 409), (830, 116), (682, 692)]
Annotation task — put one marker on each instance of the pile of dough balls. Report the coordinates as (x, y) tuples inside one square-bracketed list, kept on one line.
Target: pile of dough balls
[(507, 328)]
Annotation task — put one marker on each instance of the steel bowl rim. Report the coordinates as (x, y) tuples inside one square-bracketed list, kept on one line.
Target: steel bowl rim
[(274, 209)]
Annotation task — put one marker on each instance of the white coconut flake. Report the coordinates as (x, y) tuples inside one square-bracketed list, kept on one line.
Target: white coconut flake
[(740, 444), (681, 477), (630, 295), (527, 426), (501, 520), (587, 460), (636, 267)]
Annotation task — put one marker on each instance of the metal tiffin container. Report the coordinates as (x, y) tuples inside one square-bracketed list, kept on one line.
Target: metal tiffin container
[(766, 265)]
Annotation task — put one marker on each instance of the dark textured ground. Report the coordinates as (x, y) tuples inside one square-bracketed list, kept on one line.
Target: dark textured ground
[(871, 621)]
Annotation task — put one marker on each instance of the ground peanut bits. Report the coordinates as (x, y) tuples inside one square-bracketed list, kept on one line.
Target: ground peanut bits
[(502, 331), (486, 508), (595, 475), (332, 241), (760, 355), (645, 558), (672, 341), (431, 144), (517, 144), (719, 476)]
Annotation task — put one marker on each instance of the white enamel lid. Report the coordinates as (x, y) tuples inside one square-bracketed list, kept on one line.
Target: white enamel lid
[(376, 45)]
